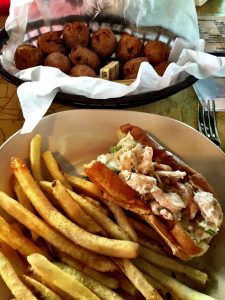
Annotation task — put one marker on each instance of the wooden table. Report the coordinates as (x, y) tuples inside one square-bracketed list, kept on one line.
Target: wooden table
[(182, 106)]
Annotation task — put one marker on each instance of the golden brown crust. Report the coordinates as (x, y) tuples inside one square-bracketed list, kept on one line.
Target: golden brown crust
[(132, 66), (82, 70), (156, 51), (117, 191), (104, 42), (58, 60), (27, 56), (84, 56), (50, 42), (163, 231), (161, 67), (128, 47), (76, 33), (182, 237), (114, 188), (199, 181)]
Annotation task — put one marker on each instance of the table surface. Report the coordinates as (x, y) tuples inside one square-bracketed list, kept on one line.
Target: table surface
[(182, 106)]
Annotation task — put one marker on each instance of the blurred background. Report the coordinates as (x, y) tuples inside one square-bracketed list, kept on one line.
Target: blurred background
[(4, 7)]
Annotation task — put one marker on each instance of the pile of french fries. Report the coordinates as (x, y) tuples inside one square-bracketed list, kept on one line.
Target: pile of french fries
[(67, 242)]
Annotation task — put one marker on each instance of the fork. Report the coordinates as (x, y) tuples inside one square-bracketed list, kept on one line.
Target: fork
[(207, 121)]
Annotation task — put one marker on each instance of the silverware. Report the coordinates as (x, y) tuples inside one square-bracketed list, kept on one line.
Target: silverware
[(207, 121)]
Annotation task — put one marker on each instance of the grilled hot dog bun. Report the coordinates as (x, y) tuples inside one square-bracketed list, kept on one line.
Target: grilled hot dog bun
[(141, 176)]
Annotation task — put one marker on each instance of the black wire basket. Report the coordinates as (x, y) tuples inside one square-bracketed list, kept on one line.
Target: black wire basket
[(118, 26)]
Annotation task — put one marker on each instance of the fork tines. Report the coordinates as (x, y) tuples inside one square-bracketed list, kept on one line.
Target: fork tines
[(207, 121)]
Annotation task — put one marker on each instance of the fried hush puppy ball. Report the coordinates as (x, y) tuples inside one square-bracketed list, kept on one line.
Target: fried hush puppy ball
[(128, 47), (84, 56), (103, 42), (27, 56), (58, 60), (156, 51), (76, 33), (82, 70), (50, 42), (130, 69), (161, 68)]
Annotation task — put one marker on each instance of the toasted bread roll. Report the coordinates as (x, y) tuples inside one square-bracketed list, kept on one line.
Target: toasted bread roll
[(140, 175)]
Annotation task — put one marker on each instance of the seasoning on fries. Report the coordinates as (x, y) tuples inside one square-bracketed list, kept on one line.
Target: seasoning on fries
[(34, 223), (85, 244), (78, 235), (10, 277), (59, 278)]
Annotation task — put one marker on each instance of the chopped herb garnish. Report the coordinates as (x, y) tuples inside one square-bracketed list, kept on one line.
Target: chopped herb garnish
[(211, 232), (116, 171), (128, 178), (115, 148)]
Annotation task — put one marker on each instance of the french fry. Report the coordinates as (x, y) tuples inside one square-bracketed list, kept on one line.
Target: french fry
[(23, 200), (19, 227), (18, 264), (89, 190), (34, 223), (160, 288), (16, 286), (59, 278), (101, 245), (73, 209), (21, 197), (167, 237), (62, 294), (99, 289), (138, 279), (177, 289), (84, 186), (103, 278), (123, 221), (17, 240), (46, 187), (154, 245), (40, 288), (172, 264), (77, 274), (35, 157), (148, 237), (113, 229), (97, 204), (126, 285), (54, 168), (145, 229)]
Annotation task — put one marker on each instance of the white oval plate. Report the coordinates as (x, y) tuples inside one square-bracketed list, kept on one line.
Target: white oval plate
[(77, 136)]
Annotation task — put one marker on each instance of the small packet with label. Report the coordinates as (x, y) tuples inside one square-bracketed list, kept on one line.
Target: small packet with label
[(110, 71)]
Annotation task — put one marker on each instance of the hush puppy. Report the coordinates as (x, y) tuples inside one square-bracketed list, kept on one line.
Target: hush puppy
[(156, 51), (82, 70), (161, 68), (58, 60), (50, 42), (84, 56), (130, 69), (76, 33), (128, 47), (27, 56), (103, 42)]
